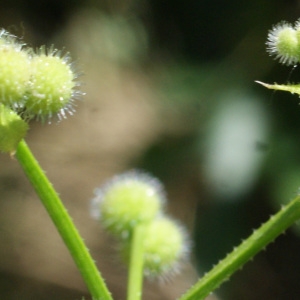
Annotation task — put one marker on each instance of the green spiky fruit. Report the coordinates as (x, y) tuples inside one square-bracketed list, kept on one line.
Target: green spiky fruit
[(51, 87), (165, 246), (15, 71), (129, 199)]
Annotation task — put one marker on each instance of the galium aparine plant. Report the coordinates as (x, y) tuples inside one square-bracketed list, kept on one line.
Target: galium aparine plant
[(283, 42), (42, 85)]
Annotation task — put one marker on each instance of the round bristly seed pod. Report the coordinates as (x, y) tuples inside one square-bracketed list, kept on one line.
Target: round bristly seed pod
[(283, 42), (15, 71), (52, 86), (128, 200), (165, 247)]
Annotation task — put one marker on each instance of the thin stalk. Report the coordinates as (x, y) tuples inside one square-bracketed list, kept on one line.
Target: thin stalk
[(135, 280), (260, 238), (63, 223)]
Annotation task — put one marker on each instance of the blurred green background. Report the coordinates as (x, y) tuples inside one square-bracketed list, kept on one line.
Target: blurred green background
[(169, 89)]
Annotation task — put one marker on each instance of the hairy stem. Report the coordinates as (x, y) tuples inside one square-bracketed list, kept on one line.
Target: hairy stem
[(260, 238), (135, 280), (63, 223)]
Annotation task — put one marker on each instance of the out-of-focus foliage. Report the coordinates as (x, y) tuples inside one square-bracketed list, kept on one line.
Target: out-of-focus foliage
[(170, 88)]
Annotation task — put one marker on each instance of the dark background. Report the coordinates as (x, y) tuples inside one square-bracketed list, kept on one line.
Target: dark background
[(169, 89)]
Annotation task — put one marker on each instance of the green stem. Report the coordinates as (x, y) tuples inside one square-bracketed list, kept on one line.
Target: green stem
[(135, 280), (63, 223), (260, 238)]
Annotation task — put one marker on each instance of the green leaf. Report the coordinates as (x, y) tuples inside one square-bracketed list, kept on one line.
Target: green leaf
[(292, 88)]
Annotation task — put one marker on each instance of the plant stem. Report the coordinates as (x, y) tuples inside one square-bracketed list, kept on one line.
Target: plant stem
[(135, 280), (63, 223), (260, 238)]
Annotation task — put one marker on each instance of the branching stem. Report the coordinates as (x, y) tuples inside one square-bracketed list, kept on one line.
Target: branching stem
[(260, 238), (63, 223)]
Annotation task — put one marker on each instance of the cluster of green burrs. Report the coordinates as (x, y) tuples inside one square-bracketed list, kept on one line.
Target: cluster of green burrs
[(37, 84), (135, 199)]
